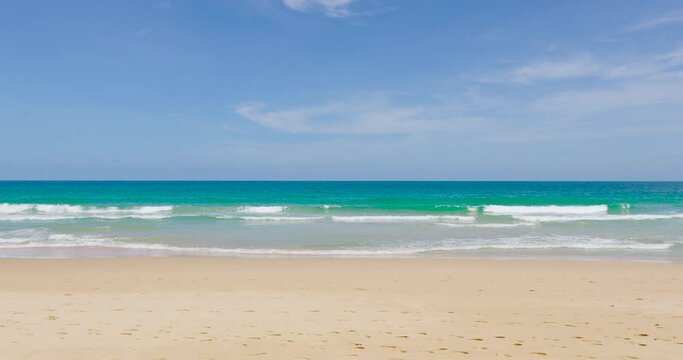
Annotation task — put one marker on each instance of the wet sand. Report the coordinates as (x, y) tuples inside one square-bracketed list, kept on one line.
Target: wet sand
[(221, 308)]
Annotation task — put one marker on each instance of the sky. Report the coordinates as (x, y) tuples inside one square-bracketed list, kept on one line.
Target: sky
[(341, 90)]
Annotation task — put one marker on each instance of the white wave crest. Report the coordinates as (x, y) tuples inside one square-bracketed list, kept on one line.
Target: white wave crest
[(12, 242), (20, 236), (570, 218), (489, 225), (554, 242), (69, 209), (151, 209), (112, 246), (14, 208), (400, 218), (261, 209), (281, 218), (549, 209), (29, 217), (47, 212), (40, 237), (164, 250)]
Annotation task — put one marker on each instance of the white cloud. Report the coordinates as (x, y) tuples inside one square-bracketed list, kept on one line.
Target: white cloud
[(646, 83), (621, 96), (585, 65), (331, 8), (375, 115), (637, 81), (647, 66), (578, 66), (666, 20)]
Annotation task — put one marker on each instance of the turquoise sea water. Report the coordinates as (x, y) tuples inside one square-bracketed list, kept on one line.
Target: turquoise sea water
[(642, 220)]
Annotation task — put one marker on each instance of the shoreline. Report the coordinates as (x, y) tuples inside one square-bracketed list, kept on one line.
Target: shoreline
[(193, 307), (522, 255)]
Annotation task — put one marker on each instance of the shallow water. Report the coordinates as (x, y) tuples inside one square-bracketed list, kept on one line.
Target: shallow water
[(639, 220)]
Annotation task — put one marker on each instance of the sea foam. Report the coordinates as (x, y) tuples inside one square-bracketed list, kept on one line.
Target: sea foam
[(605, 217), (553, 242), (400, 218), (487, 225), (14, 208), (68, 241), (261, 209), (549, 209), (281, 218), (27, 212)]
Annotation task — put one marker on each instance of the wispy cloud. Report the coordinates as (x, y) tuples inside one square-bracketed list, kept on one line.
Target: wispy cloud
[(638, 81), (331, 8), (622, 96), (578, 66), (375, 115), (586, 65), (649, 81), (665, 20)]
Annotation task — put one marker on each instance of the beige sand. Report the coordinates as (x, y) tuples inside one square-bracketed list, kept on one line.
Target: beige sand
[(197, 308)]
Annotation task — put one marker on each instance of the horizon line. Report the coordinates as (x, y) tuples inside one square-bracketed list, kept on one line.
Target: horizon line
[(312, 180)]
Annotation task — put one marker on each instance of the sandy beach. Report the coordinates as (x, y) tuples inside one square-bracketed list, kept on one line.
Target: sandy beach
[(221, 308)]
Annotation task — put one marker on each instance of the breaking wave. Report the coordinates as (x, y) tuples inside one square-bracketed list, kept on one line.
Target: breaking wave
[(549, 209), (487, 225), (24, 212), (555, 242), (605, 217), (36, 239), (261, 209), (281, 218), (400, 218)]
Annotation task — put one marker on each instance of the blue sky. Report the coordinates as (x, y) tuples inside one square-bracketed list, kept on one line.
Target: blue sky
[(341, 89)]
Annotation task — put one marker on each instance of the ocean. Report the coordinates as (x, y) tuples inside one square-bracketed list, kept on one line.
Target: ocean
[(590, 220)]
